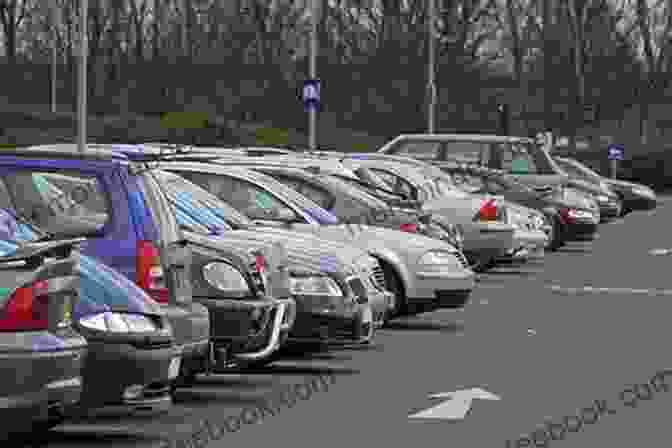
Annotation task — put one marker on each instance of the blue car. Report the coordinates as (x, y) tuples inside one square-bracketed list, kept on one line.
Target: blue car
[(126, 331), (217, 301)]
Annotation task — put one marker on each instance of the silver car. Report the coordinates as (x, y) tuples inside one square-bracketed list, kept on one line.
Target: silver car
[(422, 272)]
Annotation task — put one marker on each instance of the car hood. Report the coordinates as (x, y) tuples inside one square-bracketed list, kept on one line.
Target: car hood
[(306, 253), (376, 238), (104, 289), (590, 187), (624, 184)]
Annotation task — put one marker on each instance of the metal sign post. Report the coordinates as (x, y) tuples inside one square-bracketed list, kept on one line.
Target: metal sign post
[(55, 24), (312, 75), (81, 79), (431, 84), (615, 153)]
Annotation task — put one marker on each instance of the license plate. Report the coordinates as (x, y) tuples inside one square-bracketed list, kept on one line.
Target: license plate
[(367, 315), (174, 368)]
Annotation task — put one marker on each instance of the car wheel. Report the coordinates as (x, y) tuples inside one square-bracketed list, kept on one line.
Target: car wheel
[(394, 285), (555, 237)]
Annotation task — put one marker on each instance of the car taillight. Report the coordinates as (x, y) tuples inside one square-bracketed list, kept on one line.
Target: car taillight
[(488, 211), (27, 309), (260, 263), (568, 215), (409, 227), (149, 272)]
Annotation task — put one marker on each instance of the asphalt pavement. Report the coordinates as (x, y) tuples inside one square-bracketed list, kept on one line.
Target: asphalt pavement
[(538, 343)]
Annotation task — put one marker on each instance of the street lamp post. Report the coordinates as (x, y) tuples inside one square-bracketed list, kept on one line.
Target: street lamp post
[(55, 23), (431, 47), (312, 72), (81, 79)]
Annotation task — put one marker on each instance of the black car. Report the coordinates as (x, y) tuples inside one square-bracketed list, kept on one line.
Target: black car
[(633, 196), (570, 221)]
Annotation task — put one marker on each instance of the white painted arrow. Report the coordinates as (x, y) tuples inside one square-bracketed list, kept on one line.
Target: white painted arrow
[(457, 407)]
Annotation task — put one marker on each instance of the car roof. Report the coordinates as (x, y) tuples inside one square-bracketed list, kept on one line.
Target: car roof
[(63, 151), (463, 137)]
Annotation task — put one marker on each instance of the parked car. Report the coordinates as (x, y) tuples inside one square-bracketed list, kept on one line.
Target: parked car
[(423, 273), (125, 330), (570, 220), (632, 195), (332, 284), (197, 284), (530, 227), (521, 157), (607, 199), (43, 355), (338, 190)]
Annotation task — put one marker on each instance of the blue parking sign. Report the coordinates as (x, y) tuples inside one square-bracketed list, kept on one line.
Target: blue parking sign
[(616, 152), (311, 94)]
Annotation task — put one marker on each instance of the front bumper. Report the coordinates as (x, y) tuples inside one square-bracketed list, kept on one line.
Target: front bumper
[(326, 326), (147, 367)]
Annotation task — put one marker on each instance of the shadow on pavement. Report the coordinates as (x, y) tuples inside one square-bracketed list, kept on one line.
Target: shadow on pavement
[(83, 436), (423, 326), (275, 369), (226, 381)]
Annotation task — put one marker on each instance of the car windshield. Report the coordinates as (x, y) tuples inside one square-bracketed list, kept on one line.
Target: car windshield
[(578, 170), (372, 189), (196, 208)]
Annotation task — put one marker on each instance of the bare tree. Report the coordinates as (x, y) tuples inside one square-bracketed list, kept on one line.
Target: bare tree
[(12, 14)]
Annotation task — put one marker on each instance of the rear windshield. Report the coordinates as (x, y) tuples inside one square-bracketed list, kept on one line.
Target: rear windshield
[(62, 203)]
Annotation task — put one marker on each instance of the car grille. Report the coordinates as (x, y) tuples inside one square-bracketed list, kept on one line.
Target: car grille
[(378, 277), (462, 259), (257, 278), (358, 288)]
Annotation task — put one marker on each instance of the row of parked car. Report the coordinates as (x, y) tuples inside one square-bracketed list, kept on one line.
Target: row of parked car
[(129, 270)]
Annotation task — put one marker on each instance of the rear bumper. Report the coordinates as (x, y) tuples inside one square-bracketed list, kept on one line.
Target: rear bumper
[(610, 210), (131, 366), (428, 283), (328, 327), (443, 299), (640, 203), (528, 245), (580, 231)]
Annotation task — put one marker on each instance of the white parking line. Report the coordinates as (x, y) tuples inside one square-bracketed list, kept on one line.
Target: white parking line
[(656, 252), (592, 290)]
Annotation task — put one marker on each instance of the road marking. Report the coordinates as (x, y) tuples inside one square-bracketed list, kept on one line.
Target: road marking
[(591, 290), (457, 407), (660, 252)]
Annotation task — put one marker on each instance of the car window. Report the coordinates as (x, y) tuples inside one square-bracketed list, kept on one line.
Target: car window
[(396, 183), (317, 194), (243, 195), (289, 181), (418, 150), (467, 152), (516, 159), (60, 202)]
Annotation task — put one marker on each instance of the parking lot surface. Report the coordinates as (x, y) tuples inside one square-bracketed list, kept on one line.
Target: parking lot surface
[(587, 327)]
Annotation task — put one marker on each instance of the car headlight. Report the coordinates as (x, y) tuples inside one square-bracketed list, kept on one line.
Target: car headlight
[(224, 277), (647, 192), (315, 286), (438, 258), (119, 323), (602, 198)]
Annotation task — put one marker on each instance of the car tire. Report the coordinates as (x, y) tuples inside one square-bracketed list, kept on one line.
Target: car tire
[(395, 286), (556, 240)]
